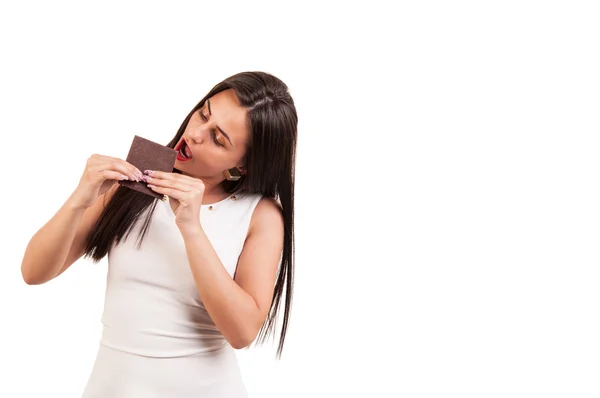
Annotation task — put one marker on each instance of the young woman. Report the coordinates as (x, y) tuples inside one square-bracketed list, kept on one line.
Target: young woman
[(202, 273)]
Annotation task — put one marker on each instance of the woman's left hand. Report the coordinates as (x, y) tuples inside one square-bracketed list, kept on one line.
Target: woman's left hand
[(188, 191)]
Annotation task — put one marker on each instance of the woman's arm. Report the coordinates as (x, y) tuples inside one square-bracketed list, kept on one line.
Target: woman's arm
[(239, 306), (60, 242)]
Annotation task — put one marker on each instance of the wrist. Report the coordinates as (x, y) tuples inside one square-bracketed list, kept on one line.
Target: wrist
[(75, 203), (191, 230)]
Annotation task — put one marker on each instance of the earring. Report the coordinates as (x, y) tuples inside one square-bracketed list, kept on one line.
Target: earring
[(233, 174)]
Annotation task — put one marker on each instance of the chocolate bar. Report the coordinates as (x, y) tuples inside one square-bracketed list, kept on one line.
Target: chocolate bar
[(148, 155)]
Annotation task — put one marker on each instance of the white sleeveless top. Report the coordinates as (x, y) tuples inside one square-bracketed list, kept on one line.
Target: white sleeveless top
[(152, 308)]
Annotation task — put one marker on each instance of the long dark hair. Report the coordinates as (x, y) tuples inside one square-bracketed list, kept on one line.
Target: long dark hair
[(270, 160)]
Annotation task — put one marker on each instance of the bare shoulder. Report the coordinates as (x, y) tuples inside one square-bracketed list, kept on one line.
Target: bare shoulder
[(267, 215)]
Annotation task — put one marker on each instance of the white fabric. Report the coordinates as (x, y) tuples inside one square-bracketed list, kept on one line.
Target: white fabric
[(158, 339)]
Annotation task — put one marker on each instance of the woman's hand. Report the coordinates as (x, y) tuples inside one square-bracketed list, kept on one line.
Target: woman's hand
[(100, 173), (188, 191)]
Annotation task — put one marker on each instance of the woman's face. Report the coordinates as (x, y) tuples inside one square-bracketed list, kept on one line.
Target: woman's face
[(215, 138)]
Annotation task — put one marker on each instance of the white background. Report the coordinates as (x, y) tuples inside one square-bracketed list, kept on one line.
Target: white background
[(447, 185)]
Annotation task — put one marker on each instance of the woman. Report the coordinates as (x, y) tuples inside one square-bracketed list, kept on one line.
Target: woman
[(196, 276)]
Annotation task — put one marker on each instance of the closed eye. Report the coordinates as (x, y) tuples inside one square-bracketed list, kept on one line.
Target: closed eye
[(214, 135), (213, 132)]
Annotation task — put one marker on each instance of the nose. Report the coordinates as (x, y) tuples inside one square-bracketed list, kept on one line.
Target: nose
[(196, 135)]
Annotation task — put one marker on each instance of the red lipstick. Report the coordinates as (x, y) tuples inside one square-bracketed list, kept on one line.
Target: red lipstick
[(183, 151)]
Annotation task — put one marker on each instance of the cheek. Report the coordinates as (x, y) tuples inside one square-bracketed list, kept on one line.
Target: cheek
[(211, 160)]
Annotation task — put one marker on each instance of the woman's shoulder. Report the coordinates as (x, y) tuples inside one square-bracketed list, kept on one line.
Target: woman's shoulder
[(267, 213), (262, 203)]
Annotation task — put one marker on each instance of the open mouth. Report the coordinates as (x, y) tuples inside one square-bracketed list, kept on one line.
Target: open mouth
[(184, 152)]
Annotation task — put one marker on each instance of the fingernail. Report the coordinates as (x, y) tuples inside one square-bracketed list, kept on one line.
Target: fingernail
[(123, 177), (149, 172), (151, 186), (146, 178)]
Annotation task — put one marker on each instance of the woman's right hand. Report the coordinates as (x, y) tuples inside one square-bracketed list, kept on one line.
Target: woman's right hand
[(100, 173)]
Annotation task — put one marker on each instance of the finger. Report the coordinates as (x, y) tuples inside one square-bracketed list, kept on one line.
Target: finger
[(172, 193), (169, 176), (115, 168), (164, 175), (113, 175), (188, 181), (155, 175), (129, 170), (133, 171), (125, 168), (169, 183), (116, 164)]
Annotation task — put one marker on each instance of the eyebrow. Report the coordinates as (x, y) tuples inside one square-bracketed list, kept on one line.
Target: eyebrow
[(219, 128)]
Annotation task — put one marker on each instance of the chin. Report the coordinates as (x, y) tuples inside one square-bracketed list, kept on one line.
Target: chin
[(179, 167)]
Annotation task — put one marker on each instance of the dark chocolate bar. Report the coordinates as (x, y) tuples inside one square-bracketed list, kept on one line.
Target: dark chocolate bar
[(148, 155)]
